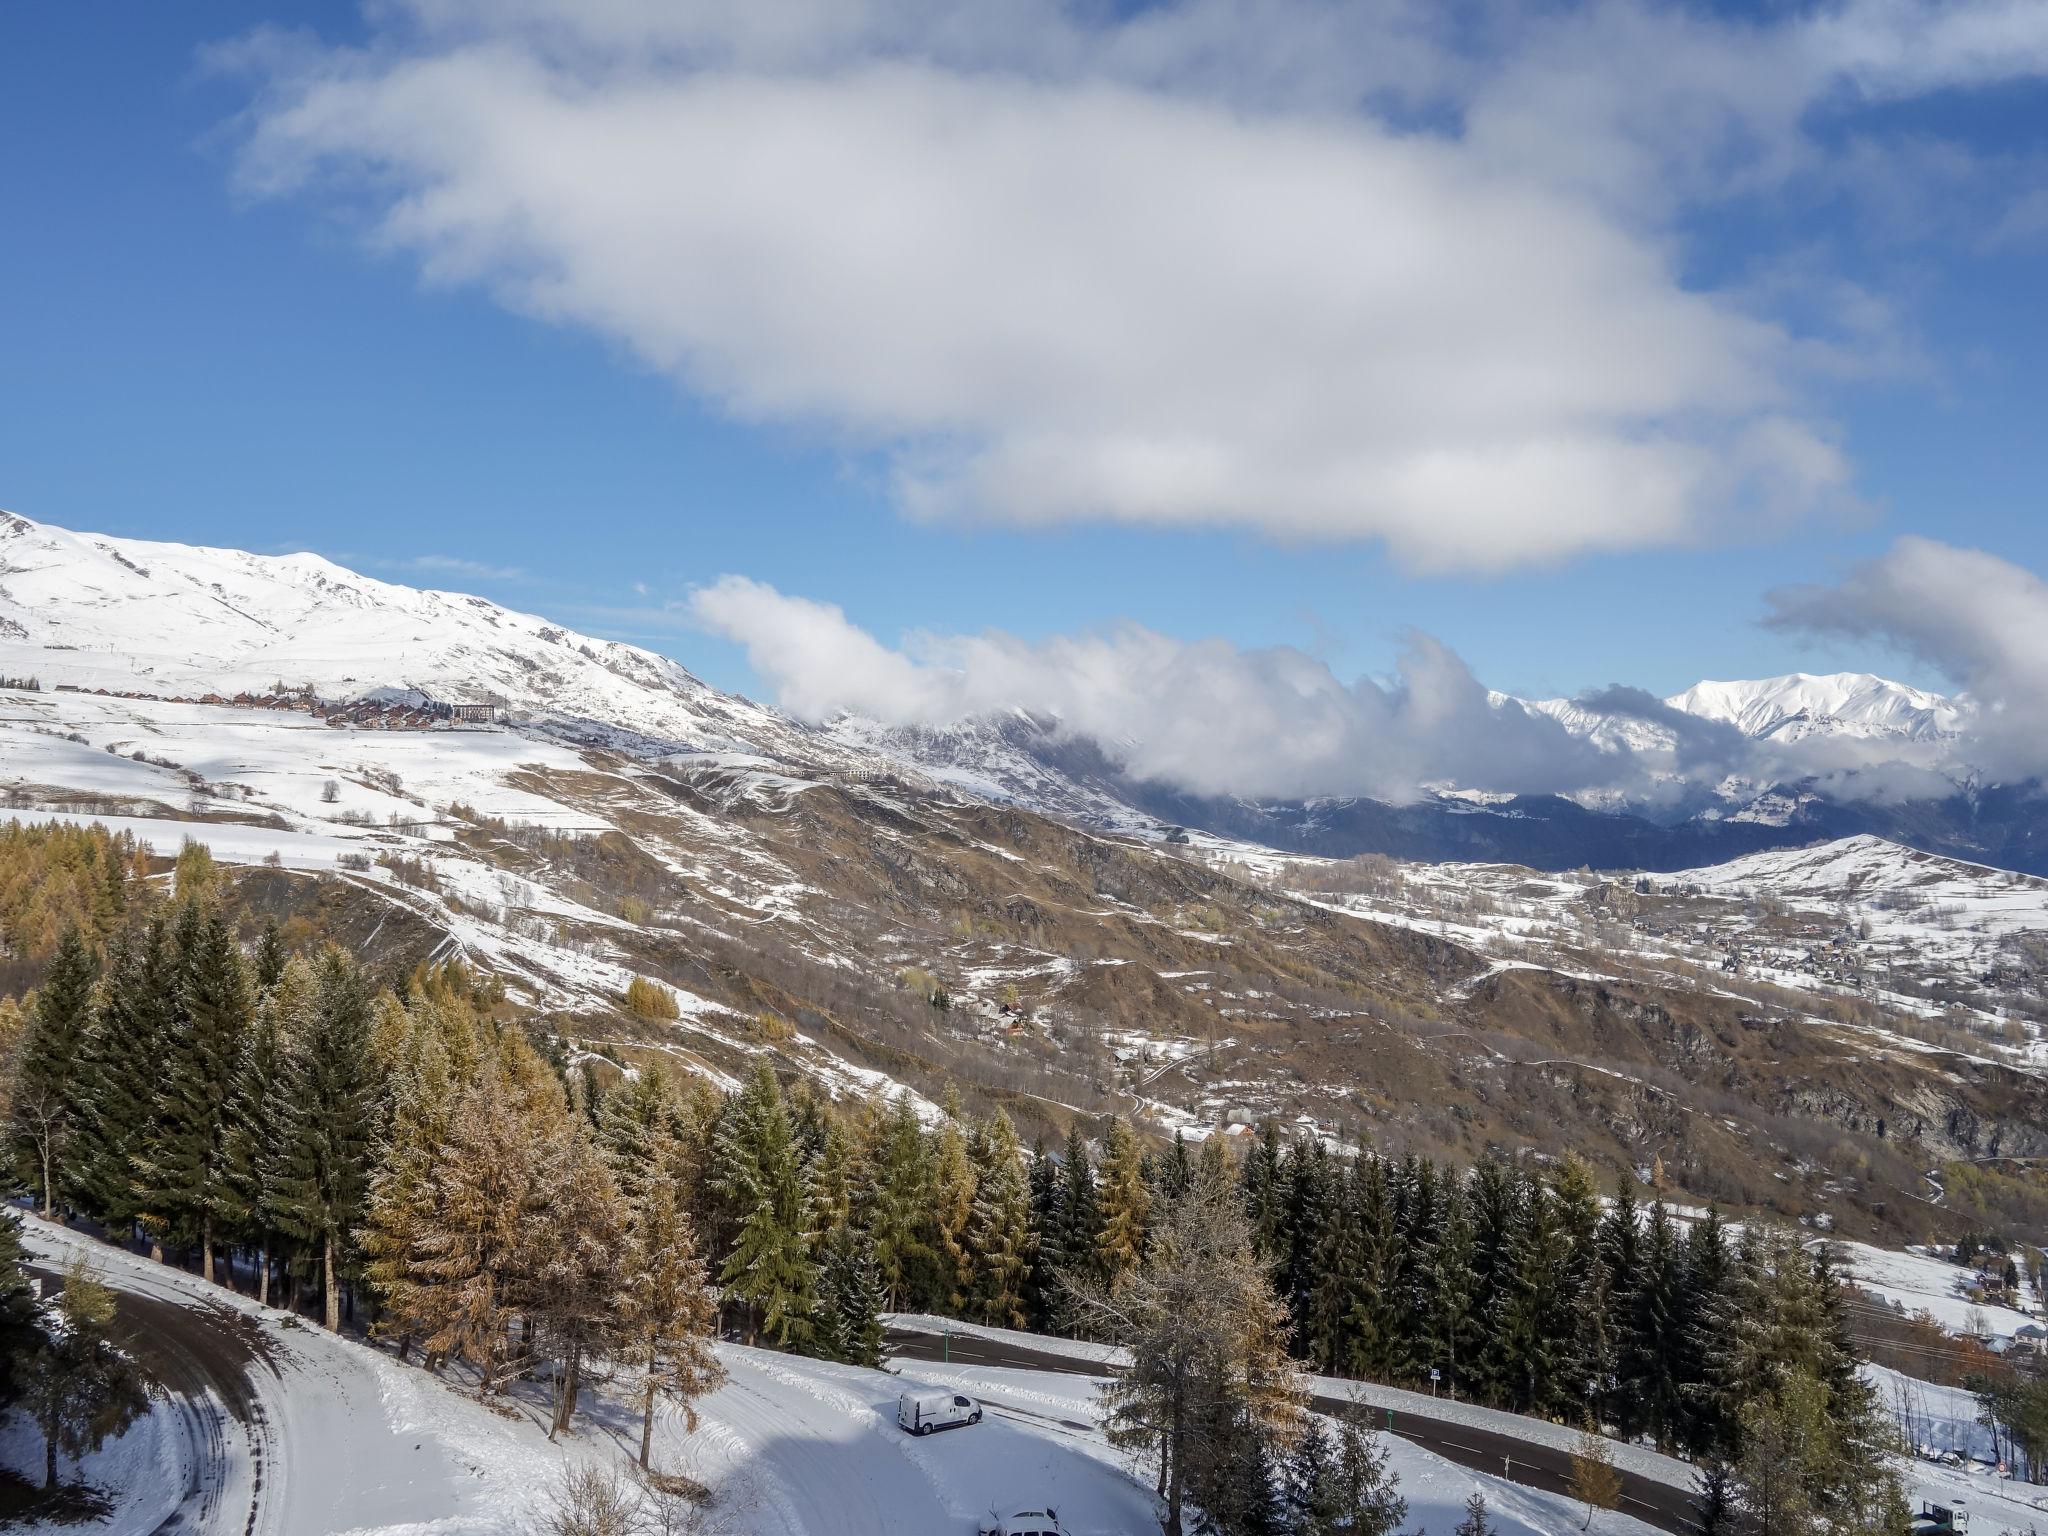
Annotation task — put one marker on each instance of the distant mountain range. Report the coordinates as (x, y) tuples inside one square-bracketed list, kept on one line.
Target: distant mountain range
[(176, 620)]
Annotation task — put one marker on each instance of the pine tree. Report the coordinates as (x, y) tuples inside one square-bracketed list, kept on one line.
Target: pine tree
[(1499, 1209), (828, 1183), (271, 956), (1376, 1350), (321, 1184), (1125, 1205), (1455, 1325), (445, 1250), (770, 1269), (899, 1188), (122, 1060), (1080, 1209), (1582, 1384), (1532, 1321), (1047, 1222), (1000, 1233), (46, 1107), (1261, 1183), (666, 1319), (849, 1324), (1651, 1347), (256, 1131), (1338, 1297), (1176, 1171), (1305, 1181), (1708, 1274), (1621, 1237), (183, 1158), (950, 1212), (1475, 1522), (568, 1261)]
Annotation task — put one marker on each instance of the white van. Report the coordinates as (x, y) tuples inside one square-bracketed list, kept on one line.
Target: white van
[(1027, 1522), (923, 1412)]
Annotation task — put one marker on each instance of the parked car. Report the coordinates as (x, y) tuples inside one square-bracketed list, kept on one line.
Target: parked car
[(923, 1412), (1027, 1522)]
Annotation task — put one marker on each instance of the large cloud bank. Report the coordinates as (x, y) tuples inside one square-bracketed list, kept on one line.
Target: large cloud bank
[(1394, 271), (1214, 718)]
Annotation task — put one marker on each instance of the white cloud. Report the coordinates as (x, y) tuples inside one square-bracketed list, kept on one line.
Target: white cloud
[(1982, 620), (1162, 271), (1203, 715)]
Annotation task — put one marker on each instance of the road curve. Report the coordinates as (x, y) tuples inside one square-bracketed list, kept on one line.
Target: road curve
[(1532, 1464), (204, 1356)]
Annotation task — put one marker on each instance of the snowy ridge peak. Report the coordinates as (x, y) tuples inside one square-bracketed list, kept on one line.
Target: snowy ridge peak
[(179, 620), (1803, 704)]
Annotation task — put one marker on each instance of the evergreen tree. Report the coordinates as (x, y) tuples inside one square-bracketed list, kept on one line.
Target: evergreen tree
[(1475, 1522), (1338, 1297), (899, 1182), (256, 1133), (1584, 1367), (1304, 1206), (1621, 1237), (320, 1188), (1340, 1486), (1532, 1326), (271, 956), (1263, 1195), (770, 1270), (1125, 1204), (1080, 1214), (849, 1325), (123, 1058), (1455, 1326), (1708, 1273), (1047, 1223), (1377, 1350), (1000, 1234), (1650, 1355), (1175, 1172), (46, 1107), (182, 1167)]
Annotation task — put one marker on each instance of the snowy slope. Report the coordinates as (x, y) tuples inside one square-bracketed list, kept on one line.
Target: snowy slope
[(1801, 704), (1937, 901), (181, 621)]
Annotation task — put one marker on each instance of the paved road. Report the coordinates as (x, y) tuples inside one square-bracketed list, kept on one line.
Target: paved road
[(203, 1356), (1534, 1465)]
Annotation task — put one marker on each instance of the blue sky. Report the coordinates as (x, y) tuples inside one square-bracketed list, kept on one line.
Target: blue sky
[(192, 352)]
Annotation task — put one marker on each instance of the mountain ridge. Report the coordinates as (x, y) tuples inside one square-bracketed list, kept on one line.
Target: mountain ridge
[(100, 612)]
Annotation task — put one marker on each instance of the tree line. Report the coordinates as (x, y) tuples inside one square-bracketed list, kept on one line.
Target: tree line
[(406, 1157)]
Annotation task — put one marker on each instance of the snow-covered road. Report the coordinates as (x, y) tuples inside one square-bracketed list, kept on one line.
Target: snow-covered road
[(278, 1429)]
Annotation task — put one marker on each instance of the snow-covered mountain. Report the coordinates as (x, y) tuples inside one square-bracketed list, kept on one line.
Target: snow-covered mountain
[(1801, 704), (176, 620), (1786, 709)]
